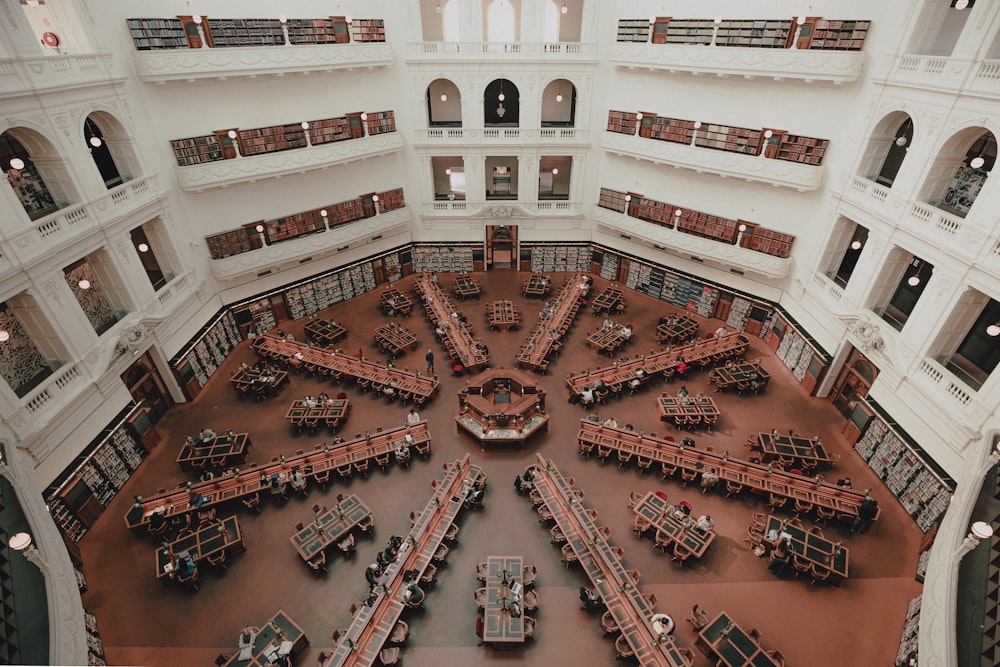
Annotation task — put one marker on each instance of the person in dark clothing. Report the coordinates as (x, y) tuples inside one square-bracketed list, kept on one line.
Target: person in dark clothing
[(430, 360), (779, 558), (867, 512), (372, 574), (590, 598)]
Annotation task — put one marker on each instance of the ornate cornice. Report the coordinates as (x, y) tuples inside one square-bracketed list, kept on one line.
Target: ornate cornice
[(224, 173), (836, 67), (757, 168)]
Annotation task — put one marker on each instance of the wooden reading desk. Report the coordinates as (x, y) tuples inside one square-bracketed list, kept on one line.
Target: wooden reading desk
[(607, 341), (501, 626), (458, 339), (503, 316), (538, 285), (221, 451), (394, 339), (465, 288), (394, 301), (324, 332), (729, 643), (739, 375), (268, 383), (372, 625), (659, 513), (546, 336), (204, 542), (680, 329), (279, 628), (330, 413), (611, 300), (696, 411), (804, 451), (330, 526), (820, 552)]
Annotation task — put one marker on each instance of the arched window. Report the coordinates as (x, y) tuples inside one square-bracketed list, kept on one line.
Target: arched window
[(100, 153), (500, 22), (24, 177), (895, 154), (970, 176), (552, 16), (449, 18)]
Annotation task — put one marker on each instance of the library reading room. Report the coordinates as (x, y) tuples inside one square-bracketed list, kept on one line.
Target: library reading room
[(313, 351)]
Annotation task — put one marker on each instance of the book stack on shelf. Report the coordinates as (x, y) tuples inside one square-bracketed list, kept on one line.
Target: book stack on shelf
[(633, 30), (329, 129), (708, 225), (432, 258), (612, 200), (840, 35), (550, 258), (806, 150), (310, 31), (770, 242), (245, 32), (725, 138), (380, 122), (638, 276), (196, 150), (908, 642), (656, 212), (392, 266), (673, 130), (609, 268), (622, 122), (229, 243), (271, 139), (739, 313), (292, 226), (368, 30), (95, 647), (690, 31), (390, 200), (755, 33), (345, 212), (155, 34)]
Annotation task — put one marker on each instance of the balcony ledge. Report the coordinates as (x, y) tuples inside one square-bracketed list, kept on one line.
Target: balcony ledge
[(502, 209), (21, 76), (559, 52)]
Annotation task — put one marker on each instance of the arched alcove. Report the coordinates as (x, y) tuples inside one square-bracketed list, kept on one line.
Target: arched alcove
[(110, 148), (559, 104), (444, 104), (501, 18), (501, 103), (887, 148), (35, 171), (960, 170)]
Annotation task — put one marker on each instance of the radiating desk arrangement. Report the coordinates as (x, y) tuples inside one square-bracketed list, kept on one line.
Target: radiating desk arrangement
[(503, 316), (458, 339), (221, 451), (371, 626), (680, 329), (204, 542), (610, 300), (262, 384), (659, 513), (829, 557), (465, 288), (502, 406), (731, 645), (394, 339), (546, 336), (395, 302), (329, 413), (409, 384), (538, 285), (344, 458), (742, 376), (737, 473), (663, 363), (806, 452), (694, 411), (330, 527), (279, 628), (503, 623), (324, 332), (601, 562), (607, 341)]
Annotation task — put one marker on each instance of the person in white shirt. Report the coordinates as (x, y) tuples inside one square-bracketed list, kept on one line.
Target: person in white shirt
[(611, 421), (626, 332), (705, 522), (586, 395), (720, 332), (206, 434), (310, 402), (413, 417)]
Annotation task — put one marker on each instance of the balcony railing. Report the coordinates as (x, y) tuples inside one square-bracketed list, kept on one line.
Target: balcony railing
[(243, 169), (42, 73), (781, 173), (680, 243), (458, 136), (947, 74), (191, 64), (503, 209), (835, 67), (503, 51)]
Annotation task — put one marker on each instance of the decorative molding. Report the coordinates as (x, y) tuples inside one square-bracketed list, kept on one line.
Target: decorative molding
[(556, 208), (57, 73), (224, 173), (508, 52), (780, 173), (194, 64)]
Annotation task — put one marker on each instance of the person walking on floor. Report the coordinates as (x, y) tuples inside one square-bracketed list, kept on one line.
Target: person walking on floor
[(430, 360)]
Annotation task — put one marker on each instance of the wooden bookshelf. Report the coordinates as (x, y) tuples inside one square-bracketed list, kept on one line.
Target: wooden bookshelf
[(770, 242), (271, 139), (390, 200), (292, 226), (726, 138), (623, 122), (329, 129), (755, 33), (708, 226), (368, 30), (839, 35), (656, 212), (229, 243), (341, 29), (381, 122), (226, 33), (807, 150), (196, 150), (310, 31), (633, 30), (674, 130), (689, 31), (155, 34), (612, 199), (344, 212)]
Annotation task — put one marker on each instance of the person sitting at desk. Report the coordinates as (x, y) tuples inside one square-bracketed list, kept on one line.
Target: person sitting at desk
[(720, 332), (412, 417), (372, 573), (586, 395), (688, 442), (607, 324), (414, 595), (682, 392), (310, 402), (844, 482), (626, 331), (207, 475), (665, 321), (207, 434), (705, 523), (323, 399), (185, 567), (158, 521), (779, 557), (590, 598), (277, 485), (247, 635), (402, 453), (612, 422), (682, 367), (298, 480)]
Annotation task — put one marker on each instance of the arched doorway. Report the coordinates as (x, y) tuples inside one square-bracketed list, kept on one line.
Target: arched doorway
[(854, 382), (145, 384)]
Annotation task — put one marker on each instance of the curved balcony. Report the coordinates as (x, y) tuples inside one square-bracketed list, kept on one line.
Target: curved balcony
[(224, 173), (271, 257), (463, 136), (836, 67), (194, 64), (555, 52), (949, 75), (19, 76), (780, 173), (502, 209), (680, 243)]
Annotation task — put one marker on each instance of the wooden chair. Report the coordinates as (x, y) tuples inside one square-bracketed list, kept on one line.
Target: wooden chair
[(219, 559), (681, 553), (191, 580), (823, 514), (529, 601), (699, 618), (362, 467), (640, 525), (480, 596), (347, 544), (482, 571), (441, 555), (528, 575), (754, 536), (667, 470), (558, 537), (633, 498), (252, 502), (775, 501), (452, 533), (568, 555), (686, 654), (803, 506), (529, 627), (624, 456), (816, 530), (382, 461), (429, 576), (603, 452), (299, 526), (608, 624), (318, 563), (622, 648), (644, 464), (754, 634), (801, 565), (688, 476), (367, 524), (345, 470), (777, 656), (819, 574), (633, 576), (733, 488), (353, 609), (400, 633), (586, 448), (389, 655)]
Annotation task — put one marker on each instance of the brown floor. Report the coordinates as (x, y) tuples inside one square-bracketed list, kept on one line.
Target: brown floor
[(143, 621)]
